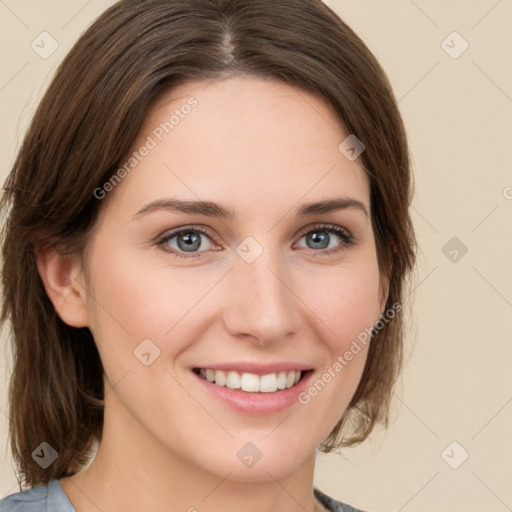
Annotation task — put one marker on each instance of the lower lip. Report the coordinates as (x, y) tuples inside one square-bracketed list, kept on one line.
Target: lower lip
[(257, 403)]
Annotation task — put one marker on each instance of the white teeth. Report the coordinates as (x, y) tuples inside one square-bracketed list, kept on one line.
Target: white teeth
[(281, 380), (232, 380), (220, 378), (251, 382), (268, 383)]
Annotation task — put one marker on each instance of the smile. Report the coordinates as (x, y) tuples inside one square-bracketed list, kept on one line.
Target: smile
[(251, 382)]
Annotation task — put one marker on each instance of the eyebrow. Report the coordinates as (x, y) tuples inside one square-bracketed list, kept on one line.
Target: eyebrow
[(211, 209)]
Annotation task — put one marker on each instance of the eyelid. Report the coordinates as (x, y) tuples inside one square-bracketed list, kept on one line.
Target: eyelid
[(320, 225), (346, 236), (165, 237)]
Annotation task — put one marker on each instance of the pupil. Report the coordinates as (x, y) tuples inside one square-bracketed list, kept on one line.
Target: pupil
[(192, 241), (322, 238)]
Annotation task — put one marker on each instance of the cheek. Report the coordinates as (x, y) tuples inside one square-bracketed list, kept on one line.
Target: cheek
[(133, 301), (346, 299), (348, 310)]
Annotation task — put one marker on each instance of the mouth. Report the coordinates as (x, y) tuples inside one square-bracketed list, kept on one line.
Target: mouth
[(253, 383)]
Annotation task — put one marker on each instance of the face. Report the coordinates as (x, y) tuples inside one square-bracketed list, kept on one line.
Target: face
[(273, 287)]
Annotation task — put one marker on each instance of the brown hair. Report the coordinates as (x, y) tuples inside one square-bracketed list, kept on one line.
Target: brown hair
[(84, 126)]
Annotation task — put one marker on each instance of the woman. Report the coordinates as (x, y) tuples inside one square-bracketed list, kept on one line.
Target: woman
[(205, 256)]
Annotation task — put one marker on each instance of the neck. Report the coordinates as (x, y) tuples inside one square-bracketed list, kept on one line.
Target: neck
[(146, 475)]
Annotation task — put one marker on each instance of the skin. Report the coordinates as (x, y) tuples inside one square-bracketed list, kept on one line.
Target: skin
[(261, 148)]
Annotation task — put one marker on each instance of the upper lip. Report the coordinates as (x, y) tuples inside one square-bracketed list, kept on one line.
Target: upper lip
[(257, 368)]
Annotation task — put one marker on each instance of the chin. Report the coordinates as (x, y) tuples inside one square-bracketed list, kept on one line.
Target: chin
[(261, 461), (262, 471)]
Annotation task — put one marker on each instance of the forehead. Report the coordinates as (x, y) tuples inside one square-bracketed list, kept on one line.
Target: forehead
[(246, 141)]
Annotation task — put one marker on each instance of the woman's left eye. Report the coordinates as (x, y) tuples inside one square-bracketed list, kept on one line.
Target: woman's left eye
[(321, 237), (187, 242)]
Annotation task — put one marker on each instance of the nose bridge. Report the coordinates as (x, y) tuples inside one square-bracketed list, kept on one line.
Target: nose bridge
[(261, 302)]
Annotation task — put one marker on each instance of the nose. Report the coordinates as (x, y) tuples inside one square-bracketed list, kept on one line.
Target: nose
[(260, 299)]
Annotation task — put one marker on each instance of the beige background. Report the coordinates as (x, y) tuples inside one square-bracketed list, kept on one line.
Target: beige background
[(457, 384)]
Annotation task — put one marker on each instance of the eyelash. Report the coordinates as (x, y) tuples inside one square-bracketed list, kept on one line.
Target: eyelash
[(347, 239)]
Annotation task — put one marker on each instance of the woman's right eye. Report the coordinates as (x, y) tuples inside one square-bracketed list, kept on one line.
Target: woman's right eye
[(185, 242)]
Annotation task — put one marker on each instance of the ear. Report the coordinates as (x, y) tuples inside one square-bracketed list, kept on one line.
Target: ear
[(62, 278)]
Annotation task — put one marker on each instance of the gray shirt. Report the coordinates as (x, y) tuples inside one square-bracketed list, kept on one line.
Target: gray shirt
[(51, 498)]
